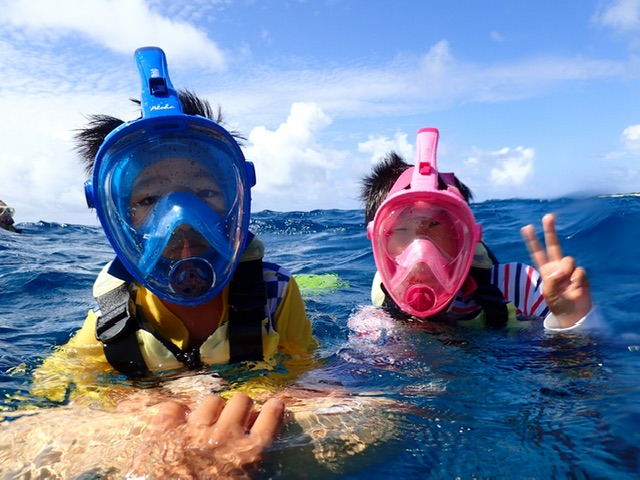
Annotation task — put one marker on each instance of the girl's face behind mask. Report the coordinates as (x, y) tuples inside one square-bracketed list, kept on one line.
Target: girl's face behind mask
[(409, 228), (423, 236), (422, 253)]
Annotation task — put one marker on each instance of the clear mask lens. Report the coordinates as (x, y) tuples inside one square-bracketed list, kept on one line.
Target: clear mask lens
[(175, 207), (423, 253)]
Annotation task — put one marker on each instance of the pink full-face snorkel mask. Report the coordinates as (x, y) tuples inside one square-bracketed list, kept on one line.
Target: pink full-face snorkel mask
[(424, 238)]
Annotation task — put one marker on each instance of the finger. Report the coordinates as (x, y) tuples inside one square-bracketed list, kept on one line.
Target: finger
[(554, 252), (207, 412), (269, 421), (576, 276), (537, 253), (580, 278), (169, 415), (236, 413), (561, 271)]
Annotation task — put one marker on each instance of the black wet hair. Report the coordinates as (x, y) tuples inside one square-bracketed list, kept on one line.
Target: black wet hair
[(377, 185), (89, 139)]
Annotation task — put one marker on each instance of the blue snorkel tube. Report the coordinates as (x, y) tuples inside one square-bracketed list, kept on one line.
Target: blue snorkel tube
[(164, 135), (158, 96)]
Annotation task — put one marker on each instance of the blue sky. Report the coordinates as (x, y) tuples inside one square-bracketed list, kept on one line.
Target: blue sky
[(532, 99)]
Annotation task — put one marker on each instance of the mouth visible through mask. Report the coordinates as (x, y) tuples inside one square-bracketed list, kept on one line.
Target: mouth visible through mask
[(186, 242)]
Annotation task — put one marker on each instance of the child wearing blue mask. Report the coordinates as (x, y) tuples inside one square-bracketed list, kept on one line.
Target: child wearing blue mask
[(188, 287)]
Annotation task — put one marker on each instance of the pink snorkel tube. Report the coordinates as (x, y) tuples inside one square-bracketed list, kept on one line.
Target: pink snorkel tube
[(427, 270)]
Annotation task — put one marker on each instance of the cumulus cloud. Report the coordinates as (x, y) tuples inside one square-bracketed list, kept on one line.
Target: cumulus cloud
[(631, 140), (513, 166), (293, 169), (380, 146), (42, 177), (65, 58), (491, 174), (632, 133), (119, 25), (504, 173), (620, 15)]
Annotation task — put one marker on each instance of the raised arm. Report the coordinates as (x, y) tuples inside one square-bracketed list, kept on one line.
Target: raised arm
[(566, 287)]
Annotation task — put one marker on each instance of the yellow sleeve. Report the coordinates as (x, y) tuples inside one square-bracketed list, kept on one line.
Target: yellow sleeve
[(292, 323), (74, 368), (86, 335)]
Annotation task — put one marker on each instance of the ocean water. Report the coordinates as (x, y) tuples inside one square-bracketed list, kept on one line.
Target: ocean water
[(455, 403)]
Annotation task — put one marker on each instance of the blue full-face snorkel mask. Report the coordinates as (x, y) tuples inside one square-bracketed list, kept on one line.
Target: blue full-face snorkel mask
[(172, 192)]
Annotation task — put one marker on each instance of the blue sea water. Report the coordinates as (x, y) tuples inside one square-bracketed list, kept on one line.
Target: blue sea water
[(475, 404)]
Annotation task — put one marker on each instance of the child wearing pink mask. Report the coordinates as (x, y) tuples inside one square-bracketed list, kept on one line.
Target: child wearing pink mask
[(431, 262)]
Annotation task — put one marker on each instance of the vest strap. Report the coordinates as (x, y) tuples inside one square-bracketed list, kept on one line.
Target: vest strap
[(116, 328), (247, 300), (490, 298)]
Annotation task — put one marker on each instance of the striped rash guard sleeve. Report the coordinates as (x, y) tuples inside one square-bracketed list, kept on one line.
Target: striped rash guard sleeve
[(521, 284)]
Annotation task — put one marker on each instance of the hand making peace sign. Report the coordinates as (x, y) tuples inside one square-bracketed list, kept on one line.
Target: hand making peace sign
[(566, 287)]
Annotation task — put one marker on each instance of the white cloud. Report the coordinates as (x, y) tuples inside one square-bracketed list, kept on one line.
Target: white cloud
[(438, 60), (620, 15), (631, 135), (293, 170), (42, 177), (379, 147), (513, 166), (504, 173), (408, 85), (631, 140), (119, 25), (51, 75)]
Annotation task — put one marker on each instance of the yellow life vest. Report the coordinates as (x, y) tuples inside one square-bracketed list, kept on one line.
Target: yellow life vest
[(126, 308)]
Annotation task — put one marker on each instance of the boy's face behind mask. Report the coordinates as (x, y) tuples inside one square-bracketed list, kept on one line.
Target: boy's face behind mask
[(172, 193), (176, 175), (174, 206)]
